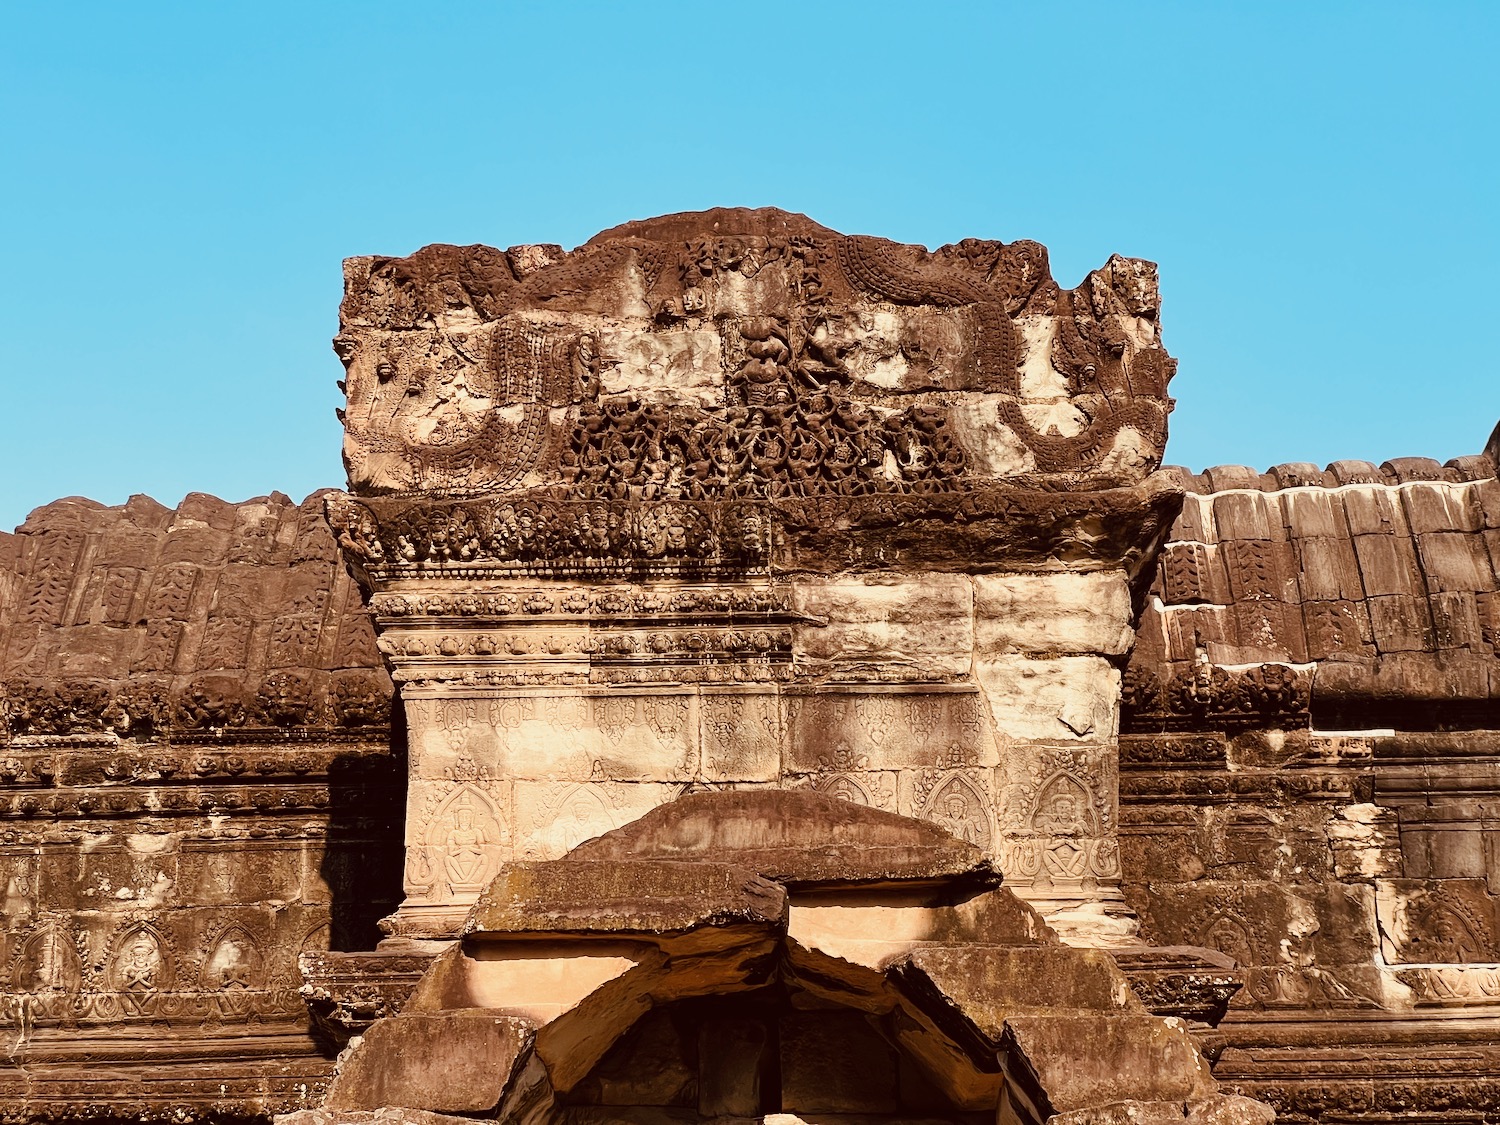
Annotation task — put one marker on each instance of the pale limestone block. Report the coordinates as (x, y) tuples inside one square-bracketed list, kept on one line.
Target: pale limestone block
[(568, 736), (672, 366), (993, 450), (1047, 698), (908, 348), (1052, 613), (552, 817), (876, 356), (741, 734), (884, 728), (862, 931), (924, 622), (759, 290)]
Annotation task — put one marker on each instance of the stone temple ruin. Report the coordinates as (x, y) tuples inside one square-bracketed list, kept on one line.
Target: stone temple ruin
[(757, 674)]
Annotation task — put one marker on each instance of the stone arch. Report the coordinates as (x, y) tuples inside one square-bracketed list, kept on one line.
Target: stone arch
[(742, 1046), (715, 957)]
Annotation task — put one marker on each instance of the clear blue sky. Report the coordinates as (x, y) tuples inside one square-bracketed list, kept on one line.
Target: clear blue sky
[(178, 184)]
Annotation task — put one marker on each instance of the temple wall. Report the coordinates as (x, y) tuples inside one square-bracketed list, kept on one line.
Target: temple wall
[(731, 499), (987, 704), (1310, 772), (754, 507), (196, 785)]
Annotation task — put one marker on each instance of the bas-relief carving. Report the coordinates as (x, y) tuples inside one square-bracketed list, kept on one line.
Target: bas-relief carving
[(458, 835), (556, 736), (741, 735), (47, 960), (796, 359), (874, 790), (549, 455), (1058, 809), (1450, 921)]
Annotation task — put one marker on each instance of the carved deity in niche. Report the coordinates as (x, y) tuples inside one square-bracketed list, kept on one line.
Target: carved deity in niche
[(48, 963), (572, 816), (959, 810), (1230, 935), (465, 848), (139, 966), (1063, 808), (462, 837), (845, 789), (1444, 935), (234, 964)]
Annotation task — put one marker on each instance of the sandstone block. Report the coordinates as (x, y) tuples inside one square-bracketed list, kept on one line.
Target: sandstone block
[(1066, 697), (1055, 613), (838, 729), (1129, 1058), (622, 898), (923, 622), (799, 838), (458, 1062)]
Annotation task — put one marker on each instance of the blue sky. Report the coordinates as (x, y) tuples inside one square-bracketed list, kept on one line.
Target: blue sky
[(178, 184)]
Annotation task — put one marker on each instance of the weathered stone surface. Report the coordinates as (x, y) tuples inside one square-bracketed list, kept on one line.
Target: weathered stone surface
[(801, 839), (766, 323), (457, 1063), (992, 983), (196, 786), (622, 898), (146, 624)]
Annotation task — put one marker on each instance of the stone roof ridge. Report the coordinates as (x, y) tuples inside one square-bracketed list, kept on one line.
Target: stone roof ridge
[(143, 506), (1338, 474)]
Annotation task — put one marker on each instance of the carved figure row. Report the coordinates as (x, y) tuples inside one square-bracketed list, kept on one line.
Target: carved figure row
[(1264, 693), (552, 533), (217, 800), (692, 645), (146, 709), (783, 447), (618, 601), (56, 974)]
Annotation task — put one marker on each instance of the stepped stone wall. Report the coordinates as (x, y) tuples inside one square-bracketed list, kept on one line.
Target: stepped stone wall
[(198, 780), (1310, 771)]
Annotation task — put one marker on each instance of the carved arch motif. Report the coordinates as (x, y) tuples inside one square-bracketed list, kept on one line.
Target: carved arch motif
[(845, 788), (233, 961), (141, 961), (1065, 805), (462, 836), (47, 960), (959, 807)]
